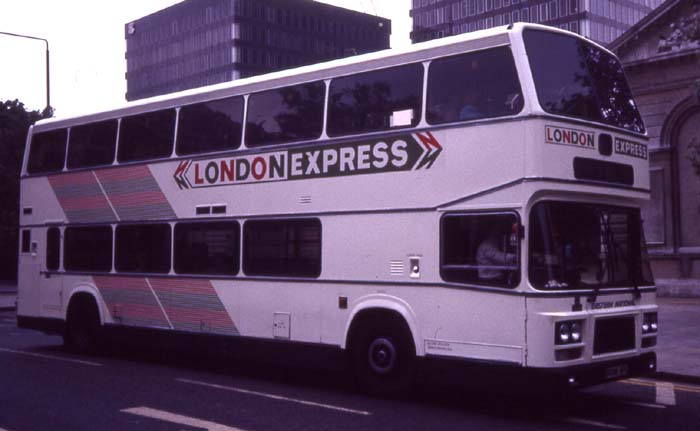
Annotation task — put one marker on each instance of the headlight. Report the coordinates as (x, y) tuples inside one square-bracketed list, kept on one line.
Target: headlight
[(575, 332), (650, 323), (568, 332)]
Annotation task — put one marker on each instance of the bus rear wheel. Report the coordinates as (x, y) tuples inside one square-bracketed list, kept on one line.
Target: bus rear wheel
[(383, 357), (82, 329)]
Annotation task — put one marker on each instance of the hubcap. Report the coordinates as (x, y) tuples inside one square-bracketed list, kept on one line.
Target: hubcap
[(382, 355)]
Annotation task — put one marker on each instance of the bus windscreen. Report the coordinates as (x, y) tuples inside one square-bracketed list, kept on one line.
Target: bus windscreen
[(599, 247), (576, 79)]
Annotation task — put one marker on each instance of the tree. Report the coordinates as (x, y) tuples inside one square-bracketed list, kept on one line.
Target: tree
[(14, 124)]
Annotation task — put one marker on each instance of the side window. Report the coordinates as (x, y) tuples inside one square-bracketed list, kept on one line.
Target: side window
[(53, 248), (92, 144), (207, 248), (88, 248), (210, 126), (146, 136), (285, 114), (47, 152), (282, 247), (26, 240), (142, 248), (480, 249), (471, 86), (378, 100)]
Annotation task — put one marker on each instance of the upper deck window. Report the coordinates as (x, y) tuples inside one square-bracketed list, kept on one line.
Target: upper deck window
[(471, 86), (92, 144), (378, 100), (146, 136), (286, 114), (47, 152), (576, 79), (210, 126)]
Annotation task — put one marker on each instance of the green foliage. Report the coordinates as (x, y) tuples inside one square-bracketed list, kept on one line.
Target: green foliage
[(14, 124)]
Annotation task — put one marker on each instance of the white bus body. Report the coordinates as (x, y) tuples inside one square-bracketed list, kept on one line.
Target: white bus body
[(376, 228)]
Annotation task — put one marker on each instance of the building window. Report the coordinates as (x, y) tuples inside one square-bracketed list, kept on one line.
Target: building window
[(210, 126), (480, 249), (47, 152), (573, 26), (377, 100), (92, 144), (146, 136), (88, 249), (289, 247), (142, 248), (285, 114), (207, 248)]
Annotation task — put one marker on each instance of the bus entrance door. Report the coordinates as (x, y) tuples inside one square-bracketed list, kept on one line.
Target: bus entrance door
[(50, 293)]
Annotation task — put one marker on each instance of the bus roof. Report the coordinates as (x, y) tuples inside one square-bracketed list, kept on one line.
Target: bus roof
[(376, 60)]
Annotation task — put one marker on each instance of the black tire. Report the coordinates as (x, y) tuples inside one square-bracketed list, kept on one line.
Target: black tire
[(383, 356), (82, 330)]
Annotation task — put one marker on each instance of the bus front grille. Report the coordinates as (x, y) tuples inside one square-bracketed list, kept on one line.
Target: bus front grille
[(615, 334)]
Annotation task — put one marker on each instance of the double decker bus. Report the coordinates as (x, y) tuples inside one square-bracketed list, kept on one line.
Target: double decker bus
[(473, 198)]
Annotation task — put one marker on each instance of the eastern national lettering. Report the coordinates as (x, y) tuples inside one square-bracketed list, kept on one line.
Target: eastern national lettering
[(400, 153), (564, 136)]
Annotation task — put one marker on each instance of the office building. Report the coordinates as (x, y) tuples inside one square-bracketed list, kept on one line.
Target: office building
[(599, 20), (201, 42)]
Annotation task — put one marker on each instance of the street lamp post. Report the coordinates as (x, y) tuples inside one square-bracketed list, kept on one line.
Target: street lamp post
[(48, 111)]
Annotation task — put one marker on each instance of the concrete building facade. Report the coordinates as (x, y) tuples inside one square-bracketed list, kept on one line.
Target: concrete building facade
[(599, 20), (661, 56), (202, 42)]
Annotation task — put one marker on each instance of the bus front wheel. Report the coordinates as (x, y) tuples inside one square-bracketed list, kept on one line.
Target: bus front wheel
[(82, 326), (383, 356)]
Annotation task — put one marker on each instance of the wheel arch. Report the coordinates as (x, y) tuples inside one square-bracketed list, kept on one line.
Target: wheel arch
[(385, 305), (85, 292)]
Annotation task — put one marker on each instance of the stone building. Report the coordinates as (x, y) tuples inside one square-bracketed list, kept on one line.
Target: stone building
[(661, 55)]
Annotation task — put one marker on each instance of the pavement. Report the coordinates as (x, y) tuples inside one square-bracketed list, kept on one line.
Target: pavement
[(678, 345)]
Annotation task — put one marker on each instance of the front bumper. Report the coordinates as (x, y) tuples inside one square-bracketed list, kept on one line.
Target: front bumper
[(600, 372)]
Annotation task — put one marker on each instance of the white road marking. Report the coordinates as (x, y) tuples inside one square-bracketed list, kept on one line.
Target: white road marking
[(641, 404), (178, 419), (56, 358), (277, 397), (579, 421), (665, 394)]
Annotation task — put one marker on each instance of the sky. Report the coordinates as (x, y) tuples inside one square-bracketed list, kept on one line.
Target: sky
[(87, 47)]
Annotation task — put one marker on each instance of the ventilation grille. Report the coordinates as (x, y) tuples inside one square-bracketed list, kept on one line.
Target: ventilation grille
[(396, 267)]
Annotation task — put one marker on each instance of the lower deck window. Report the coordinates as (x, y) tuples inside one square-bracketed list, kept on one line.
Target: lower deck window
[(289, 248), (88, 248), (480, 249), (207, 248), (142, 248)]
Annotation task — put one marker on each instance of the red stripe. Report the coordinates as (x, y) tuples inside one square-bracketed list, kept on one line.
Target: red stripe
[(83, 203), (137, 198), (105, 281), (132, 172), (77, 178)]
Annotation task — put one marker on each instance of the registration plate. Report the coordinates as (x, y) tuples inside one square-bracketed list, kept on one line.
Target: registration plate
[(617, 371)]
